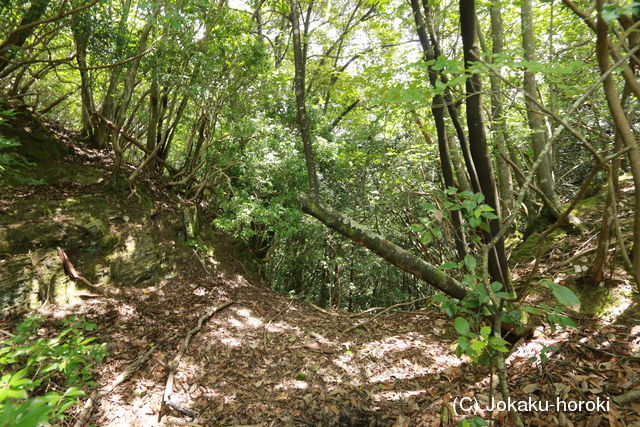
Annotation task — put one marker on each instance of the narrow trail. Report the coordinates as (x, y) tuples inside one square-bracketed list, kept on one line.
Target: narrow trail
[(268, 360)]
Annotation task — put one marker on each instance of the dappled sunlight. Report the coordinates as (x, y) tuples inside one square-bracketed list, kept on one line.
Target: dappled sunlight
[(292, 384), (126, 250), (622, 295), (532, 348), (246, 319), (392, 395), (226, 337)]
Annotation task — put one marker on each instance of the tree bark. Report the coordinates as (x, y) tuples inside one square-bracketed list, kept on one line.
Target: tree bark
[(452, 108), (437, 110), (16, 39), (623, 128), (544, 172), (498, 268), (80, 29), (505, 181), (299, 88), (389, 251)]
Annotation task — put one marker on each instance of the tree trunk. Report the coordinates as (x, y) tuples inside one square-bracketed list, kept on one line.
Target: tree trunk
[(437, 109), (106, 108), (505, 182), (452, 108), (544, 172), (389, 251), (81, 30), (15, 40), (129, 85), (299, 88), (458, 165), (498, 268), (154, 114), (623, 128)]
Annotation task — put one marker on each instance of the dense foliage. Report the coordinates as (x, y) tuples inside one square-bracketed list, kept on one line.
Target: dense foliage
[(366, 152), (42, 377)]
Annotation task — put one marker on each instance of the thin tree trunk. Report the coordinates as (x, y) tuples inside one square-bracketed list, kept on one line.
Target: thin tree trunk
[(623, 128), (458, 164), (535, 119), (106, 108), (299, 88), (498, 268), (129, 85), (505, 182), (154, 114), (437, 109), (80, 36), (453, 109)]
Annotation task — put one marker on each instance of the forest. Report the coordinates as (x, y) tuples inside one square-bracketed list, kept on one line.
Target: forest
[(319, 212)]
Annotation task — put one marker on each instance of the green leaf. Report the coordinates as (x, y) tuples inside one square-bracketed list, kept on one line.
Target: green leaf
[(469, 205), (463, 342), (462, 325), (479, 422), (485, 331), (417, 227), (437, 232), (532, 310), (564, 295), (478, 345), (498, 344), (449, 264), (470, 263), (426, 238)]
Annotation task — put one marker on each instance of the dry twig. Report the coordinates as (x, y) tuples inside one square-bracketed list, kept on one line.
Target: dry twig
[(173, 366), (124, 375)]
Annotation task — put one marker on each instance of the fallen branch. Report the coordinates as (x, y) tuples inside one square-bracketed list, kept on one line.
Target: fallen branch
[(173, 366), (362, 313), (124, 375), (356, 326), (608, 353), (327, 312), (182, 410), (73, 274)]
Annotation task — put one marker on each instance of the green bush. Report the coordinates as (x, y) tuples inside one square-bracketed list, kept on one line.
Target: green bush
[(43, 377)]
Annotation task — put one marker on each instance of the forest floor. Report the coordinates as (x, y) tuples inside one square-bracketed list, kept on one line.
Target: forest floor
[(268, 360)]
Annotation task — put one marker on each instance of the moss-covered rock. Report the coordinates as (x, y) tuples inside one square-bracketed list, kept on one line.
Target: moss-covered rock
[(605, 300), (109, 242)]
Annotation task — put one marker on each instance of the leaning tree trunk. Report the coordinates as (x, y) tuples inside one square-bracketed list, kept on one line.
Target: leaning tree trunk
[(16, 39), (389, 251), (623, 128), (311, 204)]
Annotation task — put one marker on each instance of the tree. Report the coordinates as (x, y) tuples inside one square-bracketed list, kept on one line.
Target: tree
[(478, 140), (534, 116)]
